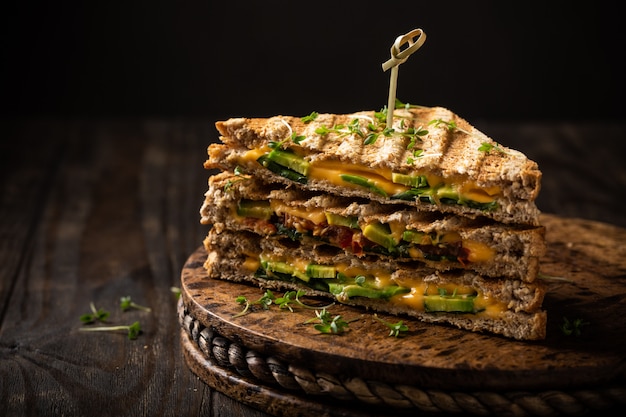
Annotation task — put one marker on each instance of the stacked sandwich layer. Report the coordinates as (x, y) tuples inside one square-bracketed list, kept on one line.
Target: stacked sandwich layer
[(428, 217)]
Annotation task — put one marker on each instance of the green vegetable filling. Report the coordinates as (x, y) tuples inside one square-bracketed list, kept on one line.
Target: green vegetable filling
[(327, 278), (287, 164)]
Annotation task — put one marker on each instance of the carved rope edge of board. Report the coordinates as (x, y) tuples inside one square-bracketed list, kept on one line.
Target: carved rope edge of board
[(297, 379)]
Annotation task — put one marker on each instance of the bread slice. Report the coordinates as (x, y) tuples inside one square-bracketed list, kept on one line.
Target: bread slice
[(393, 232), (507, 307), (430, 159)]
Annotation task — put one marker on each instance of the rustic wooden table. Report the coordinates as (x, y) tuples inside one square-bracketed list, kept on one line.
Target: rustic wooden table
[(92, 211)]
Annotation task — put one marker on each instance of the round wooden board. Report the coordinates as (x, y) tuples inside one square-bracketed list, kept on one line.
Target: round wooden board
[(589, 256)]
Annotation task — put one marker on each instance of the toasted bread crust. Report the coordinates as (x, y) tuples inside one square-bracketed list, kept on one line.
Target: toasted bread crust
[(447, 151)]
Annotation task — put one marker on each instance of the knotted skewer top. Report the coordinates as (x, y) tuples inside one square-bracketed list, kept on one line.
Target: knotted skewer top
[(415, 39)]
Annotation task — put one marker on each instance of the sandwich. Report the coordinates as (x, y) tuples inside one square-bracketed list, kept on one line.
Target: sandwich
[(505, 306), (428, 217), (364, 228), (430, 159)]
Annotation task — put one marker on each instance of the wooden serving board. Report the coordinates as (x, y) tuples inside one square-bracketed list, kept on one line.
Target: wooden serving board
[(433, 367)]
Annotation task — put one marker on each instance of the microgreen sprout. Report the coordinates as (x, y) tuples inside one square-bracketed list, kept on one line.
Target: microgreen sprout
[(308, 119), (176, 291), (265, 301), (400, 104), (395, 329), (242, 300), (95, 315), (450, 125), (126, 304), (295, 138), (328, 324), (488, 147), (133, 330), (376, 128), (238, 171), (414, 135), (293, 298), (572, 327)]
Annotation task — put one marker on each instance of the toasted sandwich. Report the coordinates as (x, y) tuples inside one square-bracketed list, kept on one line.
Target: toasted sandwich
[(461, 298), (430, 159), (428, 217), (393, 233)]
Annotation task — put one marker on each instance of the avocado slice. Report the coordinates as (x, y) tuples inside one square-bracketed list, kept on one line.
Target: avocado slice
[(447, 192), (355, 290), (413, 236), (255, 209), (284, 268), (439, 303), (281, 170), (363, 182), (381, 234), (321, 271), (339, 220), (415, 181), (290, 160)]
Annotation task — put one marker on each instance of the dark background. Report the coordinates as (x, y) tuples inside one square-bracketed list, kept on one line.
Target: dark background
[(495, 60)]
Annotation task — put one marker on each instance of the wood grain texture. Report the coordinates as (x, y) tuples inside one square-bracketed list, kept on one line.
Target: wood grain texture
[(96, 210), (591, 286)]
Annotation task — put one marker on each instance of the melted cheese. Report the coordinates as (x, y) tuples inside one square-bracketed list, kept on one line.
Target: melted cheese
[(314, 214), (251, 264), (478, 251), (487, 306), (331, 171), (253, 154), (470, 191), (381, 278)]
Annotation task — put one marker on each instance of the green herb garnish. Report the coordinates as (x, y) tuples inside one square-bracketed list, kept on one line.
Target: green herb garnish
[(95, 315), (395, 329), (572, 327), (176, 291), (133, 330), (449, 124), (328, 324), (308, 119), (293, 298), (488, 147), (126, 304), (265, 301), (238, 171)]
